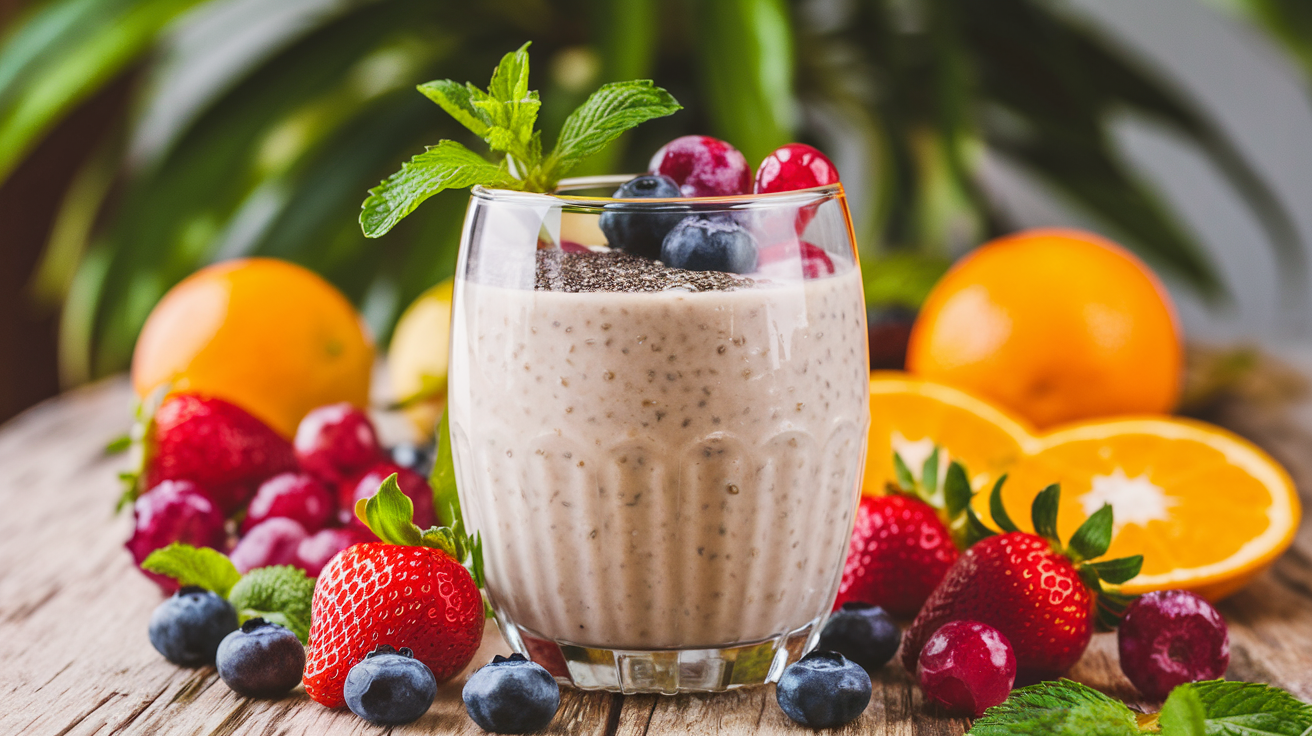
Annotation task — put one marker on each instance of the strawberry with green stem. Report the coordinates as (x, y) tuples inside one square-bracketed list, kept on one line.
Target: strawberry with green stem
[(1042, 594)]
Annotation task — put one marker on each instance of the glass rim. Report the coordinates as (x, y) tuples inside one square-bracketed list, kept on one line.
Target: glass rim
[(795, 197)]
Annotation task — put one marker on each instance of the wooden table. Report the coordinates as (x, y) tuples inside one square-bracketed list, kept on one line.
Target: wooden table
[(74, 657)]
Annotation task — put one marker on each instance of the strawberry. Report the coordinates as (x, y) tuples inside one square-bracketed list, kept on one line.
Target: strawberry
[(410, 590), (901, 546), (218, 446), (1042, 595)]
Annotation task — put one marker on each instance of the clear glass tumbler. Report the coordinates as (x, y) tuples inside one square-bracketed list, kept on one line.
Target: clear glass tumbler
[(664, 463)]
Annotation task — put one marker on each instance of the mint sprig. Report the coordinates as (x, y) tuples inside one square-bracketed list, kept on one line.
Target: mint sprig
[(1212, 708), (505, 117), (279, 594)]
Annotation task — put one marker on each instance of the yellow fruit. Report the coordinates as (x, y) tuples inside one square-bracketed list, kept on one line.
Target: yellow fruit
[(268, 335), (1053, 325), (911, 416), (1207, 509), (417, 357)]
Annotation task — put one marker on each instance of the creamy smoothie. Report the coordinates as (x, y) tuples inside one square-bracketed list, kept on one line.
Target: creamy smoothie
[(660, 459)]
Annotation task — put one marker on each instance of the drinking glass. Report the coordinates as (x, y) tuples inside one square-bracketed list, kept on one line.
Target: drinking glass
[(664, 464)]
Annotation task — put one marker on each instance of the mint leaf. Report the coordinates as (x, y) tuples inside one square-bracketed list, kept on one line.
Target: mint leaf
[(1061, 707), (512, 110), (200, 566), (1182, 714), (607, 113), (1093, 537), (448, 165), (390, 514), (1250, 709), (280, 594), (1043, 514), (458, 102)]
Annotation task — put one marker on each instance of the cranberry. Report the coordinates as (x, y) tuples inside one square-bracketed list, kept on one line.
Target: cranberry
[(174, 511), (967, 666), (335, 441), (1170, 637), (703, 166), (272, 542), (316, 550), (366, 485), (794, 166), (295, 496)]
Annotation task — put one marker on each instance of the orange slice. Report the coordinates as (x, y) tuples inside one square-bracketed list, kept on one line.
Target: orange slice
[(1207, 509), (911, 416)]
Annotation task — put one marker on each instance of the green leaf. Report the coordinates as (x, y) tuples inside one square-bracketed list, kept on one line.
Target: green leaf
[(606, 114), (510, 78), (279, 594), (118, 444), (1061, 708), (956, 490), (998, 510), (389, 513), (975, 528), (929, 473), (456, 100), (446, 499), (1090, 578), (448, 165), (1182, 714), (512, 110), (1093, 537), (1119, 570), (1251, 709), (1043, 514), (903, 474), (200, 566)]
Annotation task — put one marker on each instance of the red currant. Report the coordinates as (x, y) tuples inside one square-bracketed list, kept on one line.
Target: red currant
[(703, 166), (967, 666)]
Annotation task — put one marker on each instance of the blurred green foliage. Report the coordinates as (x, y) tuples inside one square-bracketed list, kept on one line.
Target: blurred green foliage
[(909, 96)]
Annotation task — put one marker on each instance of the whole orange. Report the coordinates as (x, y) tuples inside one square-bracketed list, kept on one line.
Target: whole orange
[(1056, 325), (268, 335)]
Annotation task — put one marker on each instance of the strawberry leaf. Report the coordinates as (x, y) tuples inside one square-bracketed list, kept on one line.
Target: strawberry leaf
[(998, 510), (199, 566), (929, 473), (975, 528), (1093, 537), (279, 594), (956, 490), (903, 474), (389, 513), (1183, 714), (1117, 571), (1043, 514)]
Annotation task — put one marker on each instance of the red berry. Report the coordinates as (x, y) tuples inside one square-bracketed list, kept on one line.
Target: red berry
[(366, 484), (967, 666), (814, 261), (374, 594), (218, 446), (336, 441), (316, 550), (900, 551), (272, 542), (703, 166), (569, 246), (295, 496), (174, 511), (1170, 637), (794, 166)]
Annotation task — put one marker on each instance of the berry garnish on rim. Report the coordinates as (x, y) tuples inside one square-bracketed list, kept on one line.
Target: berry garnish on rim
[(703, 166)]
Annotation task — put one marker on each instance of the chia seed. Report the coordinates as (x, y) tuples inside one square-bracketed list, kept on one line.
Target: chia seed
[(619, 271)]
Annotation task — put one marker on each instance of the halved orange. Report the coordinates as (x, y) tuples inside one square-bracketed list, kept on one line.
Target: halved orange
[(911, 416), (1207, 509)]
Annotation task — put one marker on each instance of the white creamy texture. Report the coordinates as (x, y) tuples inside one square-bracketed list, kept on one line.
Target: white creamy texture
[(661, 470)]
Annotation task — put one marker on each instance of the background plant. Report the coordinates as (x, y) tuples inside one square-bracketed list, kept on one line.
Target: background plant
[(274, 157)]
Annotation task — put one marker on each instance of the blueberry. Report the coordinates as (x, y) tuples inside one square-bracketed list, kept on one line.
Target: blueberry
[(390, 687), (863, 633), (188, 626), (823, 690), (701, 243), (511, 695), (418, 458), (261, 660), (641, 229)]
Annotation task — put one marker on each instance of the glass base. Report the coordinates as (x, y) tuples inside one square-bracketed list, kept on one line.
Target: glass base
[(667, 671)]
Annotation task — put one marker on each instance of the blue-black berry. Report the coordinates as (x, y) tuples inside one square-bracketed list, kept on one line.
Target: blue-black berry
[(188, 626), (261, 660), (710, 243), (641, 229), (390, 687), (511, 695), (862, 632), (823, 690)]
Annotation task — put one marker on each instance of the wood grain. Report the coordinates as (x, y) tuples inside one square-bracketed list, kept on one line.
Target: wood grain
[(74, 658)]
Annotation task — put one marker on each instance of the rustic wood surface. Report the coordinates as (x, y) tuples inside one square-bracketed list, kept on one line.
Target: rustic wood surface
[(74, 657)]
